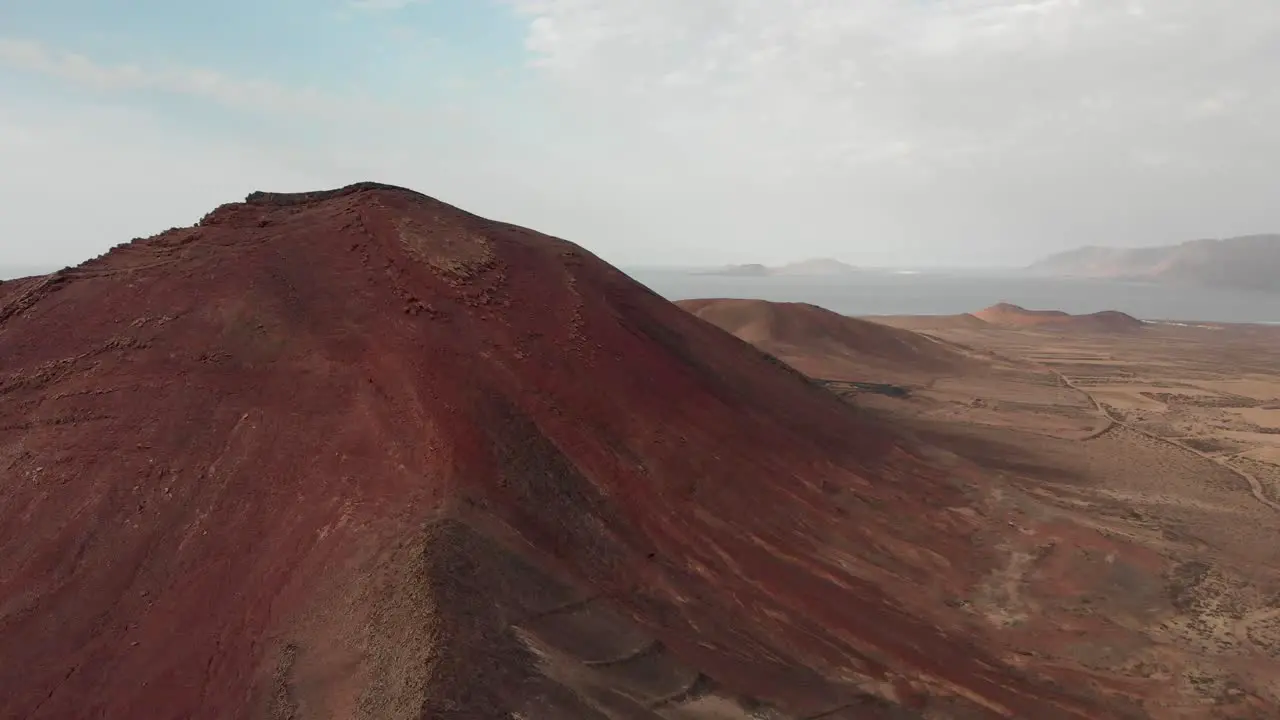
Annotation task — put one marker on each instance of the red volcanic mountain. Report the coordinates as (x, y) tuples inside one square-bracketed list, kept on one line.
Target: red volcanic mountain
[(825, 344), (1107, 321), (360, 454)]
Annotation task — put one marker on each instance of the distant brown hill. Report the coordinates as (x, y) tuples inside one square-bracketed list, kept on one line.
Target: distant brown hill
[(359, 454), (822, 343), (1246, 263), (1014, 316)]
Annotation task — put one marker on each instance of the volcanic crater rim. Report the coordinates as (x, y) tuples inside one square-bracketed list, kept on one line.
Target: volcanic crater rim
[(286, 199)]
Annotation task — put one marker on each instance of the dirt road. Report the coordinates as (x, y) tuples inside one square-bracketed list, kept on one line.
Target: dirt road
[(1255, 487)]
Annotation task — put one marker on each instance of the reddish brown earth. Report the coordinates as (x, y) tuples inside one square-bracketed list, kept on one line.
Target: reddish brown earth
[(1134, 480), (1013, 316), (825, 344), (963, 321), (360, 454)]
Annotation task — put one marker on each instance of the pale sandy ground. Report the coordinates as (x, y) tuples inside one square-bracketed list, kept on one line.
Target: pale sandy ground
[(1143, 540)]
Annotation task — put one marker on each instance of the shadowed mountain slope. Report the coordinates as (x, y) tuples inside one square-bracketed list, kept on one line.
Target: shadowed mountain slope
[(360, 454)]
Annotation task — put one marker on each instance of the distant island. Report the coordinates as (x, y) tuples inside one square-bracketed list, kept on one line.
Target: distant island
[(816, 266), (1243, 263), (750, 270)]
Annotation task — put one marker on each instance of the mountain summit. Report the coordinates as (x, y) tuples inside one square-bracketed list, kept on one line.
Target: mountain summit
[(1015, 316), (361, 454)]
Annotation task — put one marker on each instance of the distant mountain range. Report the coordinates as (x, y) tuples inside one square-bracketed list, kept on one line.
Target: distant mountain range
[(816, 266), (1249, 262)]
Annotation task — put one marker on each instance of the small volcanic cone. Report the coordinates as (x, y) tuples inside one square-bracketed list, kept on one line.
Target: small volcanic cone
[(361, 454), (1014, 316), (825, 344)]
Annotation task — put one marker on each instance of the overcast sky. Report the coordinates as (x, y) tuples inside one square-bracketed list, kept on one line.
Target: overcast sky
[(881, 132)]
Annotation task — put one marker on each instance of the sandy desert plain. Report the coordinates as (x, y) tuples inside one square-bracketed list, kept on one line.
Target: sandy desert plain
[(1138, 465), (1163, 439)]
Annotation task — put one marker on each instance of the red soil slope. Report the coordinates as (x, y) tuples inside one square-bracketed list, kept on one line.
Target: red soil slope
[(825, 344), (1107, 321), (360, 454)]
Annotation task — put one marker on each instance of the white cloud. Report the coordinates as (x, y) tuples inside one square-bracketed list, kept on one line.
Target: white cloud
[(385, 5), (816, 72), (34, 56), (985, 122), (85, 177), (663, 131), (86, 171)]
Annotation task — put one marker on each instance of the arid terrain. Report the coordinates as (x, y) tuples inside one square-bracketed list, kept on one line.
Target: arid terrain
[(1141, 476), (828, 346), (1014, 316), (361, 454)]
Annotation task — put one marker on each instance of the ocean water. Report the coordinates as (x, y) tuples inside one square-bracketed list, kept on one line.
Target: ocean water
[(884, 293)]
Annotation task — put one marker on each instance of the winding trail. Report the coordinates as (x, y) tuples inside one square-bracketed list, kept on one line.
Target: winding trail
[(1255, 487)]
